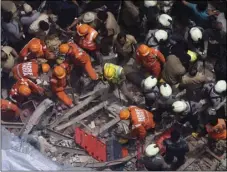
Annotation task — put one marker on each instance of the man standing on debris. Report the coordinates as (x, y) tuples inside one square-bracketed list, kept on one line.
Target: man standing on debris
[(140, 119), (6, 108), (175, 147), (151, 59), (58, 84), (35, 48), (23, 88), (115, 75), (30, 70), (79, 57)]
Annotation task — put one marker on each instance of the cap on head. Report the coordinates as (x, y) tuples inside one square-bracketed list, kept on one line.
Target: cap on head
[(165, 20), (109, 72), (148, 4), (220, 86), (88, 17), (59, 72), (196, 34), (151, 150), (24, 90), (64, 48), (179, 106), (45, 67), (143, 50), (27, 8), (35, 47), (165, 90), (161, 35), (150, 82), (124, 114), (82, 29)]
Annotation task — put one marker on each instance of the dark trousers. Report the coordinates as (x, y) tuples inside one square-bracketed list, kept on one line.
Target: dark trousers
[(192, 119), (169, 157)]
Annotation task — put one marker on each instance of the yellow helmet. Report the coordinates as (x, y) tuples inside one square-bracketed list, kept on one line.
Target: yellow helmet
[(109, 72), (193, 55)]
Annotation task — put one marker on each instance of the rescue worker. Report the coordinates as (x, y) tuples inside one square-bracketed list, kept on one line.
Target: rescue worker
[(87, 36), (9, 111), (177, 147), (30, 70), (35, 48), (189, 111), (141, 121), (58, 84), (152, 160), (165, 22), (125, 46), (23, 88), (115, 75), (216, 129), (79, 57), (150, 91), (151, 59), (214, 92)]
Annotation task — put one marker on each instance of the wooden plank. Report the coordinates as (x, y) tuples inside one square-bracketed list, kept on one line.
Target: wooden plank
[(212, 154), (82, 116)]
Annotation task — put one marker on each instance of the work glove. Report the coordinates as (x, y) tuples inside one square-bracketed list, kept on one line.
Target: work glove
[(195, 135)]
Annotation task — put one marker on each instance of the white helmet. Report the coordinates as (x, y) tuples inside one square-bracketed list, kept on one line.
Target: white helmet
[(165, 20), (196, 34), (166, 2), (151, 150), (149, 82), (165, 90), (179, 106), (27, 8), (148, 4), (220, 86), (161, 35)]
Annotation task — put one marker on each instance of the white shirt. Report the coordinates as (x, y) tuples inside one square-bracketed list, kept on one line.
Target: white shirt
[(34, 27)]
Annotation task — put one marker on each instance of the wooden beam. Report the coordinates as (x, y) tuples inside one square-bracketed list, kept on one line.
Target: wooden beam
[(83, 115)]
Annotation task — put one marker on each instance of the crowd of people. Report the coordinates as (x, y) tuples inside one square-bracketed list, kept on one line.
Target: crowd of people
[(158, 46)]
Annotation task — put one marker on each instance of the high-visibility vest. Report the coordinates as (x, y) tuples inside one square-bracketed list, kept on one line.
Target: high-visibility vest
[(118, 69), (217, 132)]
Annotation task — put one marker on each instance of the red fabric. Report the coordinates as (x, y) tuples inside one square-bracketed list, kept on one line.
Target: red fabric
[(9, 106)]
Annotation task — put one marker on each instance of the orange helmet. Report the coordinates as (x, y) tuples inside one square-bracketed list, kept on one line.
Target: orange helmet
[(24, 90), (143, 50), (35, 47), (45, 67), (82, 29), (64, 48), (59, 72), (124, 114)]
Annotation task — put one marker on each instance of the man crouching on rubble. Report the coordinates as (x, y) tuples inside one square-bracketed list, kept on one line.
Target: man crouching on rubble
[(140, 121)]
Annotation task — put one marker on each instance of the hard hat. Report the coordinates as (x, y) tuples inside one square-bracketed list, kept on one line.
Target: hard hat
[(150, 82), (45, 67), (165, 20), (179, 106), (161, 35), (193, 55), (109, 72), (124, 114), (82, 29), (64, 48), (59, 72), (151, 150), (88, 17), (24, 90), (35, 47), (220, 86), (196, 34), (148, 4), (143, 50), (165, 90), (27, 8)]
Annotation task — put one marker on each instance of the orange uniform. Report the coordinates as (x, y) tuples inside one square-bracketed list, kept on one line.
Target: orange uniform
[(8, 108), (88, 41), (24, 81), (217, 132), (26, 70), (42, 51), (141, 120), (58, 87), (80, 57), (152, 61)]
